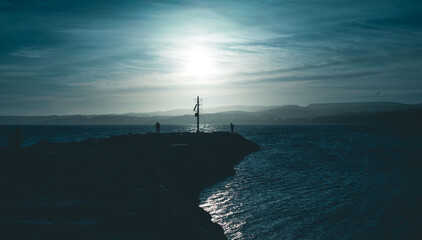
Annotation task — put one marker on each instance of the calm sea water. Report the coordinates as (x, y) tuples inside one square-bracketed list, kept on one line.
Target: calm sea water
[(323, 182), (307, 182)]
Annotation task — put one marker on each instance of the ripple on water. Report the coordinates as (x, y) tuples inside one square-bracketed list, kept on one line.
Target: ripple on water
[(321, 182)]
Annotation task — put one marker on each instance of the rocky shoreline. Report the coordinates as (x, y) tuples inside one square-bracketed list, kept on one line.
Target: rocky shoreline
[(135, 186)]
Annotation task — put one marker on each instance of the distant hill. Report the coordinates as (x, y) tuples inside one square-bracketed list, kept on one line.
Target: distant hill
[(340, 108), (332, 109), (364, 112), (179, 112)]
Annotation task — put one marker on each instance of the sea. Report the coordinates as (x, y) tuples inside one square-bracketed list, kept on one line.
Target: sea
[(307, 181)]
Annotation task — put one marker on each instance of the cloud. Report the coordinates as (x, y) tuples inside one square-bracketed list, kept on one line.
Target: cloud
[(76, 49), (29, 52)]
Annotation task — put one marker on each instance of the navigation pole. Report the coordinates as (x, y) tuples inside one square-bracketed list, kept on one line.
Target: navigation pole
[(197, 113)]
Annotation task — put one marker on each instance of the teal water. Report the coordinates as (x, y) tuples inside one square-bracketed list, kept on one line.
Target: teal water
[(323, 182)]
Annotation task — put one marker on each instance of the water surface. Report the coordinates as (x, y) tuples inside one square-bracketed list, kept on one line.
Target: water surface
[(323, 182)]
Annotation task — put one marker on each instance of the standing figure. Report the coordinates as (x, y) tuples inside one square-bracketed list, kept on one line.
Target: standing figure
[(157, 127), (232, 127)]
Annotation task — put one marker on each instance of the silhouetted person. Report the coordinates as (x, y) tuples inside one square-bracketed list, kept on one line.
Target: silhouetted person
[(16, 138), (157, 127), (232, 127)]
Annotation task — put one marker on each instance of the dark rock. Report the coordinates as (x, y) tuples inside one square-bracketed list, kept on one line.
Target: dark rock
[(123, 187)]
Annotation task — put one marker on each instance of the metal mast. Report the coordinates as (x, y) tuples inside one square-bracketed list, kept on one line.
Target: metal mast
[(197, 113)]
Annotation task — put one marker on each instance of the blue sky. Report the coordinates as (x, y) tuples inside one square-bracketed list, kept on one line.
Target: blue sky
[(93, 57)]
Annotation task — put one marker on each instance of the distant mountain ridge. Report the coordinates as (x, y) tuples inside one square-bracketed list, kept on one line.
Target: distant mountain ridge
[(332, 109), (178, 112), (314, 113)]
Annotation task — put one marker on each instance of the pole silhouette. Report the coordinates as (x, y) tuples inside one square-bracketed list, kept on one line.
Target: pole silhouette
[(197, 113)]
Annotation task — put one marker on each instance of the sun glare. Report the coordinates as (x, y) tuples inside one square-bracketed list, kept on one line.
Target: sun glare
[(199, 62)]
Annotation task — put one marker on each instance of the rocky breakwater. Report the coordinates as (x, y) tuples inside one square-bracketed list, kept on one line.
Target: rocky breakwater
[(123, 187)]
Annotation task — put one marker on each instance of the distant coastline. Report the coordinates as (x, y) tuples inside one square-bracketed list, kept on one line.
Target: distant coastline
[(325, 113)]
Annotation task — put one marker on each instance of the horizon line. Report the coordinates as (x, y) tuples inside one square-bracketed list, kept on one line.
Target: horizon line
[(181, 109)]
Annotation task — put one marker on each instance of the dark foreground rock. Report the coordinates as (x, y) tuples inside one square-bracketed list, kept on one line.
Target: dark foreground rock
[(123, 187)]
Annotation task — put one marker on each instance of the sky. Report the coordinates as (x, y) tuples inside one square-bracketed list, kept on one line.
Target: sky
[(101, 57)]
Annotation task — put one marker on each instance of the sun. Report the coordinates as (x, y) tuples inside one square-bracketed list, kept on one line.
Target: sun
[(199, 62)]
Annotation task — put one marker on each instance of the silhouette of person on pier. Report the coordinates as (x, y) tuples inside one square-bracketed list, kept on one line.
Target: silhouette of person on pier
[(231, 127), (157, 127), (16, 138)]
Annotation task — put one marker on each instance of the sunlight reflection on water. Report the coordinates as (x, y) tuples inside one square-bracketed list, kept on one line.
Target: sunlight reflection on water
[(206, 128), (218, 205)]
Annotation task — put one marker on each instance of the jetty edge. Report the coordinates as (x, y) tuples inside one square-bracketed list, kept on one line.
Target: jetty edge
[(134, 186)]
